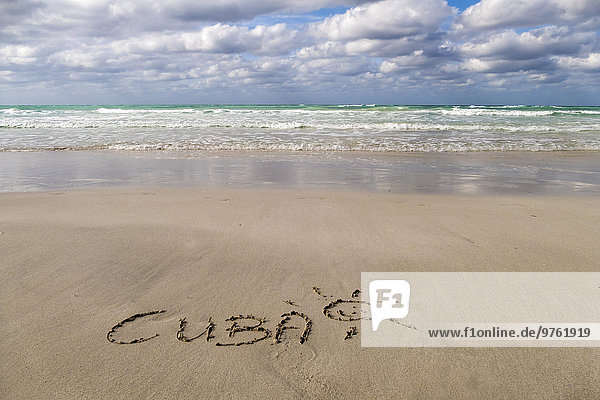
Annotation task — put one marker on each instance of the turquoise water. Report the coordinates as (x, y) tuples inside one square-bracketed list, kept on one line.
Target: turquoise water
[(375, 128)]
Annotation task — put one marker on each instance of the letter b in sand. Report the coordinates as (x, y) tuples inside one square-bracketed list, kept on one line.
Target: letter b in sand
[(389, 299)]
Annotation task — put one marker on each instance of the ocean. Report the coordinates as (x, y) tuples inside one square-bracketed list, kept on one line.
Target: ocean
[(315, 128)]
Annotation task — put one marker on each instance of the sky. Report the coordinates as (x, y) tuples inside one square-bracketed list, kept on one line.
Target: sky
[(300, 51)]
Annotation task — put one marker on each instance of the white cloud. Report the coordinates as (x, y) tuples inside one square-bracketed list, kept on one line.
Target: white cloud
[(493, 14), (503, 66), (275, 39), (369, 46), (327, 49), (148, 15), (532, 44), (402, 63), (387, 19), (388, 66), (388, 28), (15, 54), (219, 38), (591, 63)]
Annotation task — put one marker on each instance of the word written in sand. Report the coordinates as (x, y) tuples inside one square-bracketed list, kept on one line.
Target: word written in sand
[(351, 332), (239, 324)]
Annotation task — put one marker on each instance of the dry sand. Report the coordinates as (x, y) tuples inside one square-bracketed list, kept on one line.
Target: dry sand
[(74, 264)]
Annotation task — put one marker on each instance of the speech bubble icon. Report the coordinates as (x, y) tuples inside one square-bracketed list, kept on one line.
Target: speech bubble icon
[(389, 298)]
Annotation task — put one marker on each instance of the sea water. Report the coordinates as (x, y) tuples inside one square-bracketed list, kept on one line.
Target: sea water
[(317, 128)]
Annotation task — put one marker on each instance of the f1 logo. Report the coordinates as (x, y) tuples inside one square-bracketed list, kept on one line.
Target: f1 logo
[(389, 299)]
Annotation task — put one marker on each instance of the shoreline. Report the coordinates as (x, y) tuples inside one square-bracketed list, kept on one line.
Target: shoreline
[(238, 152), (478, 173)]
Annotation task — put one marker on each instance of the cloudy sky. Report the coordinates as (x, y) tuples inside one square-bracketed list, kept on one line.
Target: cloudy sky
[(300, 51)]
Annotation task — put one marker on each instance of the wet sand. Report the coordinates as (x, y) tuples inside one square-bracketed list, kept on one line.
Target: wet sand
[(522, 173), (76, 263)]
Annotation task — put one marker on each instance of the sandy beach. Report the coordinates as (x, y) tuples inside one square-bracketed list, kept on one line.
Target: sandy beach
[(350, 199), (76, 263)]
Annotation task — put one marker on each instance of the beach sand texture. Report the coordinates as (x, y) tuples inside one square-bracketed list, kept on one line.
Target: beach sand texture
[(74, 264)]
